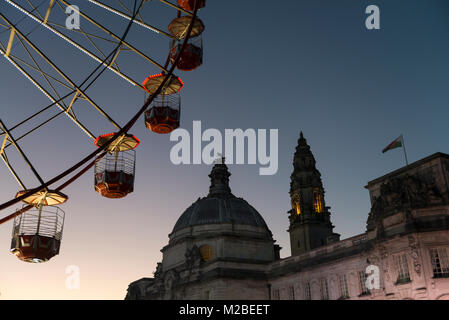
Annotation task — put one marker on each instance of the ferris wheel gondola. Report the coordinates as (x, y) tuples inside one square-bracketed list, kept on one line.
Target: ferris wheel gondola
[(37, 233), (190, 4), (114, 173), (192, 56)]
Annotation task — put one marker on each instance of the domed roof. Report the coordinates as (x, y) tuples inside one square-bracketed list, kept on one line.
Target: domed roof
[(220, 206), (215, 210)]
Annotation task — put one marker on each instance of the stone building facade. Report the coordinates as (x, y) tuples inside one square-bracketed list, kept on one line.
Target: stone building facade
[(221, 247)]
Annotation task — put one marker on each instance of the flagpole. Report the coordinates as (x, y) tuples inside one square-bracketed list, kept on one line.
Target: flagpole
[(403, 147)]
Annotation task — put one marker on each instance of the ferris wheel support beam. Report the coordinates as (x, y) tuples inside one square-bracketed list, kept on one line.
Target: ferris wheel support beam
[(113, 35), (13, 172), (128, 17), (76, 45), (47, 14), (28, 162), (49, 96), (62, 74), (34, 129), (10, 41)]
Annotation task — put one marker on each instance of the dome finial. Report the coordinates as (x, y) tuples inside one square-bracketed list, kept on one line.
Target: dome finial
[(220, 159)]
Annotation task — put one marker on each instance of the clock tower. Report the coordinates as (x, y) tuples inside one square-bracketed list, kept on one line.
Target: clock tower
[(310, 224)]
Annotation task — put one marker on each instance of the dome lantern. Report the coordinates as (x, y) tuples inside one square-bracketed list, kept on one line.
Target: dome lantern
[(219, 178)]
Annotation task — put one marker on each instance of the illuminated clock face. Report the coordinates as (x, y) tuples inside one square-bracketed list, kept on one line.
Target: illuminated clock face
[(206, 253)]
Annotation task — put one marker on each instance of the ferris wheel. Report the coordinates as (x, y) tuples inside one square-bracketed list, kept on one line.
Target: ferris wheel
[(38, 226)]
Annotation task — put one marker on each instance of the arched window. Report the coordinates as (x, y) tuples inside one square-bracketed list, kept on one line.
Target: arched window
[(296, 204), (318, 200)]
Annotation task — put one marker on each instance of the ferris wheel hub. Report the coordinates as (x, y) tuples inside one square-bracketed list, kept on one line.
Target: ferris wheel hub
[(123, 143), (44, 198)]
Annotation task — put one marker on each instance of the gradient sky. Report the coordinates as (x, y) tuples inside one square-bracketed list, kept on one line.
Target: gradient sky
[(290, 65)]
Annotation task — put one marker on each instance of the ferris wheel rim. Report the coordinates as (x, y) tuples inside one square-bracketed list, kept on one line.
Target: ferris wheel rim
[(124, 130)]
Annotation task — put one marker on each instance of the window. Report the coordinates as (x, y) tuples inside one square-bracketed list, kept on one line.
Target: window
[(440, 262), (362, 282), (296, 204), (276, 295), (307, 291), (298, 208), (402, 268), (324, 290), (317, 200), (206, 253), (291, 293), (343, 285)]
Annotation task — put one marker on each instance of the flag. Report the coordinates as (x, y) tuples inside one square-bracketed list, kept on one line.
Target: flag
[(395, 144)]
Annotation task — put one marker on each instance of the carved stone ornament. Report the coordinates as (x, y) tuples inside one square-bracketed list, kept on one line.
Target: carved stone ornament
[(158, 272), (193, 256), (414, 254), (400, 193), (383, 253)]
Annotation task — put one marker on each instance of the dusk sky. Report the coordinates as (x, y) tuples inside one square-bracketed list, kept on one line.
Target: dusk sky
[(289, 65)]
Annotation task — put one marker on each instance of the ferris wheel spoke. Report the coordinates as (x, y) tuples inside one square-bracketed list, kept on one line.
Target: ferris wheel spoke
[(113, 35), (83, 32), (87, 51), (56, 102), (35, 8), (49, 96), (23, 39), (97, 47), (125, 7), (11, 169), (50, 7), (23, 122), (37, 69), (128, 17), (39, 126), (21, 152)]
